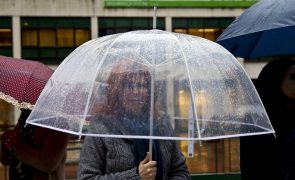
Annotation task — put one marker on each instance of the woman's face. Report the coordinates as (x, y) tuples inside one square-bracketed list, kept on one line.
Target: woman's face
[(288, 84), (135, 94)]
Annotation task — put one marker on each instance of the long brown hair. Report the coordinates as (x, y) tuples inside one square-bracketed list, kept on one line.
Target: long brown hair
[(121, 74)]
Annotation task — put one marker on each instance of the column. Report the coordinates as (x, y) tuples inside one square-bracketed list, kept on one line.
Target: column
[(94, 27), (168, 23), (16, 36)]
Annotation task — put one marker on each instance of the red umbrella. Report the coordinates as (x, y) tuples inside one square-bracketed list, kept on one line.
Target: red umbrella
[(21, 81)]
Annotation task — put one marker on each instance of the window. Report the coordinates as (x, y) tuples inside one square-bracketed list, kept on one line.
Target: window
[(209, 28), (47, 38), (81, 35), (215, 156), (65, 37), (30, 37), (52, 39), (109, 26), (5, 36)]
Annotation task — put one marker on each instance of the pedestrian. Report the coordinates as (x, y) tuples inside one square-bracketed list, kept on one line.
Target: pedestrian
[(127, 111), (33, 153), (269, 156)]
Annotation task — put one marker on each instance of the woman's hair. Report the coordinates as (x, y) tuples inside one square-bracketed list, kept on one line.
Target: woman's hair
[(269, 87), (120, 76), (270, 80), (274, 72)]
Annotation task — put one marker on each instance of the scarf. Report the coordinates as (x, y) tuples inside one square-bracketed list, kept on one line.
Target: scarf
[(140, 147)]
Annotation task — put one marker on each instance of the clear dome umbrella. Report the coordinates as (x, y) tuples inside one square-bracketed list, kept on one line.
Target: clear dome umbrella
[(153, 85)]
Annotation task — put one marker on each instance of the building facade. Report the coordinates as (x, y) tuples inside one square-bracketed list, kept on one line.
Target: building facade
[(48, 30)]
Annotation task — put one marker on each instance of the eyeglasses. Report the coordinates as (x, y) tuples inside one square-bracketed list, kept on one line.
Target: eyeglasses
[(138, 86)]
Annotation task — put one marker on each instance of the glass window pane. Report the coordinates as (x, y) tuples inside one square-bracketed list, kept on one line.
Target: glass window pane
[(211, 23), (123, 22), (160, 23), (104, 32), (184, 31), (196, 23), (196, 32), (81, 36), (106, 22), (211, 34), (30, 37), (5, 37), (140, 23), (47, 38), (65, 37), (179, 23)]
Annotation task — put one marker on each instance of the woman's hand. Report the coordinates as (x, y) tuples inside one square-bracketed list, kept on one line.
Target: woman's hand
[(147, 169)]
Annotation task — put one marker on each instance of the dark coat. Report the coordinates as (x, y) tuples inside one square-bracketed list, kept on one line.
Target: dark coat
[(263, 156), (112, 158)]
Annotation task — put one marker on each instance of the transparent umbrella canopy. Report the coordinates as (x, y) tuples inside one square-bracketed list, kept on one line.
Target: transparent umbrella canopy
[(151, 84)]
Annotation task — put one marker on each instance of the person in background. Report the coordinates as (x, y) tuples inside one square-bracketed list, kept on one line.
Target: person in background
[(267, 156), (33, 153), (127, 112)]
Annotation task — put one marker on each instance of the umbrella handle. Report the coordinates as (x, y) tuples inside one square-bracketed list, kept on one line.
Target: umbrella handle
[(150, 150)]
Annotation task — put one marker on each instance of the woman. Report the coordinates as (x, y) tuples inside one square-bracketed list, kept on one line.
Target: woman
[(266, 156), (127, 112), (33, 153)]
